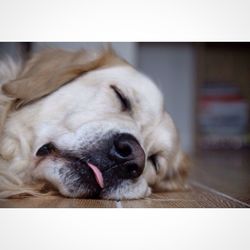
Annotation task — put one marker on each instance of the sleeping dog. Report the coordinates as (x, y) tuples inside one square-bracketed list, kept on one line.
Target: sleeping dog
[(86, 124)]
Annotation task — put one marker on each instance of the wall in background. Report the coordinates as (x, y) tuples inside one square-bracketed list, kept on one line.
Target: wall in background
[(8, 48), (172, 67)]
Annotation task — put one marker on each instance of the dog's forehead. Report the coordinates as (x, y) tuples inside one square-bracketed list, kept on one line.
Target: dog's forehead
[(136, 84)]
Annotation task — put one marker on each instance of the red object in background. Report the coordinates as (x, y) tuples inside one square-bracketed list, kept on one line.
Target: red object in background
[(223, 117)]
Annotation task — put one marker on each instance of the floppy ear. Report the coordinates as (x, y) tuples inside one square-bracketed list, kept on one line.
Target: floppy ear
[(45, 72), (168, 171), (168, 166), (176, 174)]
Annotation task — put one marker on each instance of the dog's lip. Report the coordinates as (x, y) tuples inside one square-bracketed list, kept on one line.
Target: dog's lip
[(97, 173)]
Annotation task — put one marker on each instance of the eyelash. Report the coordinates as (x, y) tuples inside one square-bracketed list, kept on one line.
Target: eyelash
[(126, 106)]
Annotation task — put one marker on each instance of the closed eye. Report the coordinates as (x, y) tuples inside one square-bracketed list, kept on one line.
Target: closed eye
[(126, 104)]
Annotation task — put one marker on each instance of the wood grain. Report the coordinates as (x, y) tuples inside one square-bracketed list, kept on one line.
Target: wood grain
[(194, 198), (225, 171), (56, 202)]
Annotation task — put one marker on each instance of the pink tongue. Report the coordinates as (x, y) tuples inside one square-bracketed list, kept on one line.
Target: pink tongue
[(98, 174)]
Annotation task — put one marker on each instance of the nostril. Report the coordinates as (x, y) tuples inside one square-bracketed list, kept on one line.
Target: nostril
[(45, 150), (124, 149)]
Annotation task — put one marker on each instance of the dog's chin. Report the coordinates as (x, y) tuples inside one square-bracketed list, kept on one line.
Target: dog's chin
[(127, 189), (80, 182)]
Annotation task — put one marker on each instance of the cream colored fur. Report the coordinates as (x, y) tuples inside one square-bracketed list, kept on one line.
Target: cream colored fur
[(65, 97)]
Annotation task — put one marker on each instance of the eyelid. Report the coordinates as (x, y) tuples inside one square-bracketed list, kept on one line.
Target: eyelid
[(126, 105)]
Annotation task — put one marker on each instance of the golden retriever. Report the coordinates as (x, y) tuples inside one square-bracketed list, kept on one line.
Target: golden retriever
[(86, 124)]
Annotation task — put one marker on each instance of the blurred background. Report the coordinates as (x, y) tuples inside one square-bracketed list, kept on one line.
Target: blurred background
[(206, 86)]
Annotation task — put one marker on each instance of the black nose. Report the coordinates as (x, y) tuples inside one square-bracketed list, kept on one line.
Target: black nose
[(128, 155)]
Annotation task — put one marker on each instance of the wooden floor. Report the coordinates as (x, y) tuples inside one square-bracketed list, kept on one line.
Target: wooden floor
[(218, 179)]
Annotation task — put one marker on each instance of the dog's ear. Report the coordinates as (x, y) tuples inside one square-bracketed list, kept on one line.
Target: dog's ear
[(45, 72), (168, 166), (175, 178), (168, 171)]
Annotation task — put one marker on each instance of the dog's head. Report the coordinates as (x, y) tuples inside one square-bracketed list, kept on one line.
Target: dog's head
[(92, 126)]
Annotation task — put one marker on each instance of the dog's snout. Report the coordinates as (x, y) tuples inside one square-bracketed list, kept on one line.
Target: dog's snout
[(127, 153)]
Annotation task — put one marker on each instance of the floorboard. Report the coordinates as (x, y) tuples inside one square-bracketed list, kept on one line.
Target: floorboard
[(227, 172), (196, 197), (56, 202)]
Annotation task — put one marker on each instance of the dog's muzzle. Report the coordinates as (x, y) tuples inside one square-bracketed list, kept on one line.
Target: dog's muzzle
[(105, 165), (121, 158)]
